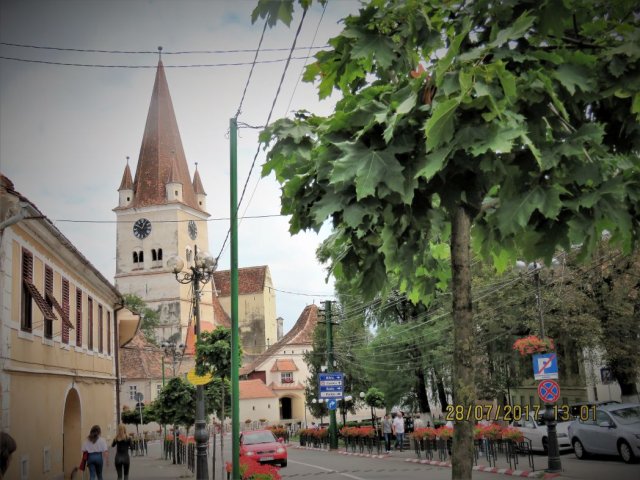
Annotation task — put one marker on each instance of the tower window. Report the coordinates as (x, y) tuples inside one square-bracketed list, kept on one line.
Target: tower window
[(135, 257), (153, 254), (138, 257), (128, 199), (200, 203), (159, 254), (176, 193), (188, 254)]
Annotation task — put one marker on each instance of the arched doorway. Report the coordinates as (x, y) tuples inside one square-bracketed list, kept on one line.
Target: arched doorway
[(71, 434), (285, 408)]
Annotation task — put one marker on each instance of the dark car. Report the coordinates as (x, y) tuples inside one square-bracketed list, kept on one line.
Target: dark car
[(262, 445)]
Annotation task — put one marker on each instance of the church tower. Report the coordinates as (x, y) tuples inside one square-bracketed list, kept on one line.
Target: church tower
[(161, 213)]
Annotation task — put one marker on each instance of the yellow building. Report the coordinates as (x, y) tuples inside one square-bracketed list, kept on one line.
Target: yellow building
[(59, 321)]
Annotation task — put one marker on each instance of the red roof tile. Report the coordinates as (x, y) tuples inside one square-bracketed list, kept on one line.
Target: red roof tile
[(127, 181), (300, 334), (190, 341), (197, 183), (284, 365), (140, 359), (219, 314), (250, 280), (160, 151), (255, 389)]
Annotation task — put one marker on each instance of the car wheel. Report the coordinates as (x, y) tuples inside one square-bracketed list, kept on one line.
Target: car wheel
[(625, 452), (579, 450), (283, 463), (545, 445)]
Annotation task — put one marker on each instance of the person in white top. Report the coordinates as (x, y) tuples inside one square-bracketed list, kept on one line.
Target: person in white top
[(398, 430), (98, 452)]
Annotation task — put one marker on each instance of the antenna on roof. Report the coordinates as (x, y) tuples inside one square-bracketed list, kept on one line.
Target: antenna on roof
[(159, 52)]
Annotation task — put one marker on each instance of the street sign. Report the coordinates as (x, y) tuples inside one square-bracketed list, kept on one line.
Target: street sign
[(331, 385), (332, 404), (549, 391), (139, 396), (545, 366)]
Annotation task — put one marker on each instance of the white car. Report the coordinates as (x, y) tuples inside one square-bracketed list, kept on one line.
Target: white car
[(536, 431)]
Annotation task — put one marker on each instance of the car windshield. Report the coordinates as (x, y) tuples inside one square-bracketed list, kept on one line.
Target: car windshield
[(258, 437), (627, 416)]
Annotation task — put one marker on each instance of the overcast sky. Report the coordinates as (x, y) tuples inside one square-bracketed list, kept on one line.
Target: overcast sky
[(65, 131)]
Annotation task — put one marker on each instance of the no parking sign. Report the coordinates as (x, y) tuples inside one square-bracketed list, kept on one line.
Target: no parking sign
[(549, 391)]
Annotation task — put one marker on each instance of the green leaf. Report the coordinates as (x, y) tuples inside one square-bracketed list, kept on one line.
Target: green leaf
[(368, 45), (517, 30), (635, 106), (432, 163), (497, 140), (281, 10), (572, 76), (439, 127), (367, 168), (508, 81)]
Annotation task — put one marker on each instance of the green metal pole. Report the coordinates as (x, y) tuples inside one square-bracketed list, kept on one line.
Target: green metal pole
[(333, 427), (235, 357), (164, 440)]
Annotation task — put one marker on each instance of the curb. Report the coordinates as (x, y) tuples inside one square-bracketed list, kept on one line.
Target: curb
[(479, 468)]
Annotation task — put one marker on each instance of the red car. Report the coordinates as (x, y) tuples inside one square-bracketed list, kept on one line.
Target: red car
[(262, 445)]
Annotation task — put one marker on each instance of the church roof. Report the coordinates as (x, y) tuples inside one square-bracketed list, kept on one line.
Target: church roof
[(161, 150), (250, 280), (300, 334), (127, 180), (197, 183), (284, 365)]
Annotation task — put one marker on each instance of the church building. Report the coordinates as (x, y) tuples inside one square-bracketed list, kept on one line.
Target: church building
[(162, 212)]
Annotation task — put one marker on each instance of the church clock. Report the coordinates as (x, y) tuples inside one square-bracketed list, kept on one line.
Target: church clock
[(193, 229), (142, 228)]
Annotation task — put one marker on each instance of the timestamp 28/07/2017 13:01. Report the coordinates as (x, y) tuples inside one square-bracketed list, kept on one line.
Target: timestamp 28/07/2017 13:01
[(517, 413)]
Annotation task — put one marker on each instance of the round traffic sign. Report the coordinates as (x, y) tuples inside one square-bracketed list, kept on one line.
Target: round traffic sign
[(549, 391)]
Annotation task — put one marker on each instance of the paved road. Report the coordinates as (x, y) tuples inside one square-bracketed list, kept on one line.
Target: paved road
[(322, 465)]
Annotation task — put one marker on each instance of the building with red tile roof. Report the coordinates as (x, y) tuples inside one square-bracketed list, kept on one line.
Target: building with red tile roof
[(282, 369)]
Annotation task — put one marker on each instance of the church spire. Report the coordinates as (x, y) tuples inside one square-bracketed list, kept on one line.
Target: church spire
[(197, 183), (162, 157), (127, 180)]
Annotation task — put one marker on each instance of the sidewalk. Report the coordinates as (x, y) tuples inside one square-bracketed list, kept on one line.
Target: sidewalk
[(149, 467)]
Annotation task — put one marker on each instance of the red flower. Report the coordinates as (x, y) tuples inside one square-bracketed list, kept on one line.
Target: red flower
[(533, 344)]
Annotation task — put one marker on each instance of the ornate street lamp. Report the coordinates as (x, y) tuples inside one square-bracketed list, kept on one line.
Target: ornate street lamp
[(197, 275)]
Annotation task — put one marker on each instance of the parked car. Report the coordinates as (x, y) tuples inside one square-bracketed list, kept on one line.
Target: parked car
[(263, 446), (615, 430), (535, 430)]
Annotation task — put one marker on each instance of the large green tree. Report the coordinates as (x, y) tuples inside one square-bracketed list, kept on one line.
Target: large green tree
[(511, 126), (150, 317)]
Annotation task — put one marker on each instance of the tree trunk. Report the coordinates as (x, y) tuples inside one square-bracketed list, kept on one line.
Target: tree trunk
[(423, 399), (463, 342), (442, 394)]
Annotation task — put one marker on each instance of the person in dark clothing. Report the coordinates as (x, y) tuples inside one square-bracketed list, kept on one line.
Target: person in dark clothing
[(122, 443)]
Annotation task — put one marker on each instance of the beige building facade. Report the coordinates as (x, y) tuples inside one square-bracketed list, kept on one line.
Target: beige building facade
[(59, 321)]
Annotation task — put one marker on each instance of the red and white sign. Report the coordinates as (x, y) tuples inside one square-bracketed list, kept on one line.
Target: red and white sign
[(549, 391)]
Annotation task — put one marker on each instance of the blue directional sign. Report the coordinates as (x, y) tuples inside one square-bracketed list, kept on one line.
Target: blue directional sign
[(545, 366), (332, 404), (331, 385)]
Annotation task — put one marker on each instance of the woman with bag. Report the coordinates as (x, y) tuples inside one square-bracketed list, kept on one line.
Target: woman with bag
[(122, 443), (97, 453)]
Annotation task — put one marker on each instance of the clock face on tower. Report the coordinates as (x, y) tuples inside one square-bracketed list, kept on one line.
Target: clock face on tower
[(142, 228), (193, 229)]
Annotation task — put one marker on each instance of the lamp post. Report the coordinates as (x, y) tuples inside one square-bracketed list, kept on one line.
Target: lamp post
[(197, 274), (373, 415), (554, 464)]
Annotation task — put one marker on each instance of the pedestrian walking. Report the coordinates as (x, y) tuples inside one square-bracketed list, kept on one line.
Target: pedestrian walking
[(398, 430), (387, 431), (122, 442), (98, 453)]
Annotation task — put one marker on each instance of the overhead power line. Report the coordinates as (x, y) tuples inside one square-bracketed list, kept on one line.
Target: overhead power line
[(155, 52), (273, 104), (194, 65)]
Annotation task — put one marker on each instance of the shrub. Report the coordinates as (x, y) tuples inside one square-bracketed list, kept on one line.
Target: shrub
[(492, 432), (533, 344), (445, 433), (251, 469), (513, 434)]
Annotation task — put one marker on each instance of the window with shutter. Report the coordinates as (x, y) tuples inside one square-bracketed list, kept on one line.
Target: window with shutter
[(109, 333), (48, 294), (26, 312), (78, 317), (90, 323), (100, 326), (66, 325)]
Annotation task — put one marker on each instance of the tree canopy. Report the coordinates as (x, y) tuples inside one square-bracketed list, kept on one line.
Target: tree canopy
[(511, 126)]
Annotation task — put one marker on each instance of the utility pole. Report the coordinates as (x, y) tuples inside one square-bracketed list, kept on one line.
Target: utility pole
[(235, 368), (333, 427)]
